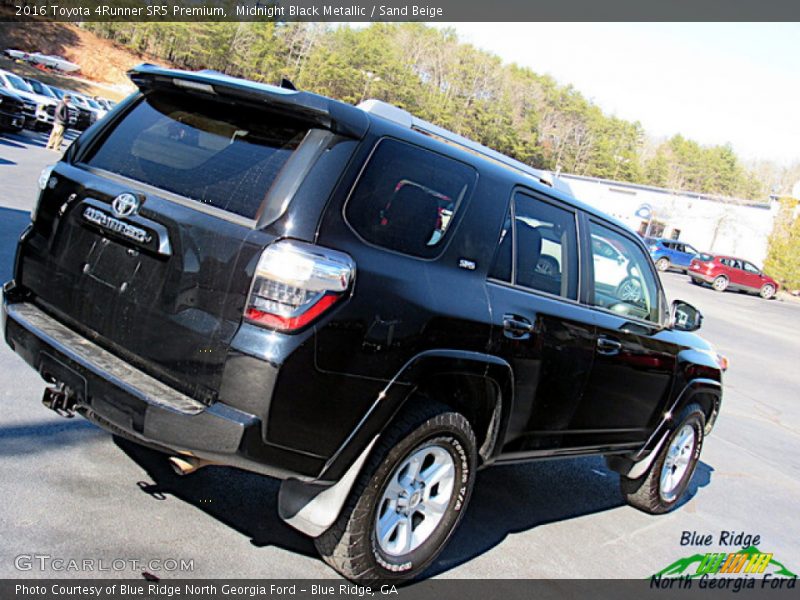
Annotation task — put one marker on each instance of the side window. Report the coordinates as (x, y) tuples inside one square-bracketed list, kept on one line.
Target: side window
[(690, 249), (407, 197), (751, 268), (623, 281), (543, 240)]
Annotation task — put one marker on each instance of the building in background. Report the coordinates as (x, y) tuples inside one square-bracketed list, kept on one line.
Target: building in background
[(709, 223)]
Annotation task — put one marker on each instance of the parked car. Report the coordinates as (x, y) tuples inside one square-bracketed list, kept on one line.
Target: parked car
[(105, 103), (80, 118), (728, 272), (12, 111), (671, 254), (339, 331), (45, 90), (94, 106), (39, 109)]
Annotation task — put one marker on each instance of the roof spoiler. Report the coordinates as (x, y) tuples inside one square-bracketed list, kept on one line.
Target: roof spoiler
[(323, 112)]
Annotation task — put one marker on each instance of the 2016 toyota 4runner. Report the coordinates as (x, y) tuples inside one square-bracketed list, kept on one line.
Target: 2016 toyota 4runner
[(352, 300)]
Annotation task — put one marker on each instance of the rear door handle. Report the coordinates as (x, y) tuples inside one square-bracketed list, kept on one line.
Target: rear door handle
[(608, 346), (516, 327)]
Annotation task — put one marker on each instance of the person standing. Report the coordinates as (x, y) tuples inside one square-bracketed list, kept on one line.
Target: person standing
[(60, 120)]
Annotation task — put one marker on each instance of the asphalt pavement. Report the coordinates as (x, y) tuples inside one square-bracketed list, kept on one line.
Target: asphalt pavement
[(71, 491)]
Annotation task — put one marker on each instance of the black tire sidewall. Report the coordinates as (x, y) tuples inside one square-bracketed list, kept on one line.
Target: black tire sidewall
[(418, 560)]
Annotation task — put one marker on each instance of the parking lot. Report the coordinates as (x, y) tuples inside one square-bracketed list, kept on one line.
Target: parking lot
[(72, 491)]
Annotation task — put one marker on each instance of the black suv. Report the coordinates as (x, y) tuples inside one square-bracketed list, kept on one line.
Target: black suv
[(352, 300), (12, 112)]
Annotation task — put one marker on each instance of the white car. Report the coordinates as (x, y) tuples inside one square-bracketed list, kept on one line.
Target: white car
[(39, 109), (90, 105)]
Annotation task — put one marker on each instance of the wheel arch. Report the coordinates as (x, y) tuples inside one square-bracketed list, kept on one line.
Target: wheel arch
[(703, 391), (478, 385), (470, 382)]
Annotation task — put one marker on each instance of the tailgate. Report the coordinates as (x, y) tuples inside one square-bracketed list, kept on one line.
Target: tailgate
[(164, 288), (146, 239)]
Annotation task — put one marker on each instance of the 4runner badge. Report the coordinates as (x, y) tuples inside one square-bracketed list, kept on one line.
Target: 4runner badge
[(108, 222), (125, 205)]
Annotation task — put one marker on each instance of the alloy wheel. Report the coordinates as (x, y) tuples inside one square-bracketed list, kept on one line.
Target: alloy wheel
[(415, 500), (677, 462)]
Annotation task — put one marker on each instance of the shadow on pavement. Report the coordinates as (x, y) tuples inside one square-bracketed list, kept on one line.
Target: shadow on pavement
[(9, 141), (36, 139), (12, 222), (514, 499), (243, 501), (506, 500), (4, 162), (42, 436)]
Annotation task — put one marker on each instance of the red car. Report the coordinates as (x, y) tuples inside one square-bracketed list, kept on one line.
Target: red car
[(728, 272)]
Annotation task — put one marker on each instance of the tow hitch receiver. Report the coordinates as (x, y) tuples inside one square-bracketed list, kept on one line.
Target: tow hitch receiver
[(61, 400)]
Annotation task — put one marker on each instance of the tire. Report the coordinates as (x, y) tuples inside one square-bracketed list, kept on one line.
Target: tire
[(720, 283), (547, 265), (629, 290), (351, 546), (767, 291), (696, 281), (652, 492), (662, 264)]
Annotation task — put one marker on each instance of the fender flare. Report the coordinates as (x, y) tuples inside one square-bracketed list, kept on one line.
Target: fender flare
[(312, 507), (634, 465)]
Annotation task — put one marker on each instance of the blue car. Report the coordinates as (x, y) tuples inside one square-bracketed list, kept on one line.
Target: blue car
[(671, 254)]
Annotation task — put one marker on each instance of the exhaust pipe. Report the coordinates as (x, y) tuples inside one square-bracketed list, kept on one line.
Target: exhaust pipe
[(186, 465), (61, 400)]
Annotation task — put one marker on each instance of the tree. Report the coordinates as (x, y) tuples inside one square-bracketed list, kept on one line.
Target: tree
[(783, 254), (433, 75)]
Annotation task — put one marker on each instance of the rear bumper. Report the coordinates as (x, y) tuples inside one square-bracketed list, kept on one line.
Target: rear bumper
[(125, 401), (700, 276), (128, 402)]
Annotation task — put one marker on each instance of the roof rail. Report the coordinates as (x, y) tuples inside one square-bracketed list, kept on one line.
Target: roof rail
[(406, 119)]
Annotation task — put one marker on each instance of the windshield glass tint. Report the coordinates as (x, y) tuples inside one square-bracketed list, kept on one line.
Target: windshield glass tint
[(41, 89), (204, 150), (19, 83)]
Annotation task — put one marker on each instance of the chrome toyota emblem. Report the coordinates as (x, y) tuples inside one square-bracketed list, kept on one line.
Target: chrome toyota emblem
[(125, 205)]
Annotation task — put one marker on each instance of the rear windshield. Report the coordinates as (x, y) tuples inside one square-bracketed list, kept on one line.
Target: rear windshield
[(705, 257), (221, 155)]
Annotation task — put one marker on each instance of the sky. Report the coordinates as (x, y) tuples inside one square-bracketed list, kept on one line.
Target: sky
[(715, 83)]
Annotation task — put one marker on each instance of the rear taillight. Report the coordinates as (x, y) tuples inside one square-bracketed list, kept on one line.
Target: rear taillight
[(295, 283), (46, 180)]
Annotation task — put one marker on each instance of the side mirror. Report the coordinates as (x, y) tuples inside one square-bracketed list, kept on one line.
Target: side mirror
[(684, 317)]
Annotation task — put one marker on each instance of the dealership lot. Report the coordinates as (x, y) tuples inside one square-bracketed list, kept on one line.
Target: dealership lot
[(72, 492)]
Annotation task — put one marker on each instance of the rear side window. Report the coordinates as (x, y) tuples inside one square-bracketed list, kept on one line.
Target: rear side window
[(543, 241), (216, 154), (407, 198)]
